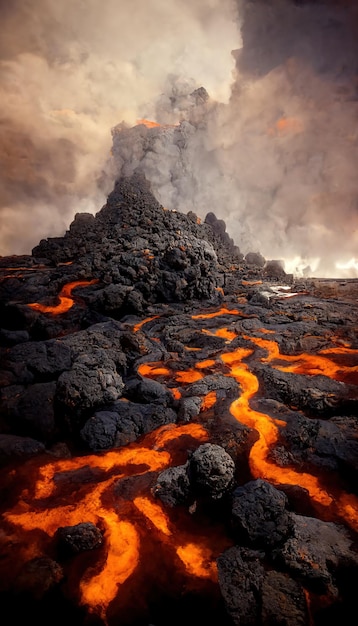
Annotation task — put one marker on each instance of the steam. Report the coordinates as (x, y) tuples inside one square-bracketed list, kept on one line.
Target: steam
[(278, 162), (272, 151), (70, 71)]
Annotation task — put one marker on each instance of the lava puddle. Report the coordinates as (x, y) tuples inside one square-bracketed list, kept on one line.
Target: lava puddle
[(145, 544)]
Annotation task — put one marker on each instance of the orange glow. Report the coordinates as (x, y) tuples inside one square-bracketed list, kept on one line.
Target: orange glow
[(151, 124), (286, 126), (148, 123), (171, 432), (154, 513), (198, 560), (311, 364), (205, 364), (222, 311), (138, 326), (188, 376), (344, 505), (122, 559), (251, 282), (44, 508), (208, 401), (66, 301), (176, 393), (224, 333), (220, 290), (152, 369)]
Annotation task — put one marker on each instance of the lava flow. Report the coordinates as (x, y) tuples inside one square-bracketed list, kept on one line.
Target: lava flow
[(342, 505), (66, 302), (42, 509), (114, 490)]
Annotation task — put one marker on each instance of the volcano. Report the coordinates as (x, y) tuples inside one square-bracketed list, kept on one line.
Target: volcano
[(178, 428)]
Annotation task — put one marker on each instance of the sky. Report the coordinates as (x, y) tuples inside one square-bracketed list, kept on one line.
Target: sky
[(275, 156)]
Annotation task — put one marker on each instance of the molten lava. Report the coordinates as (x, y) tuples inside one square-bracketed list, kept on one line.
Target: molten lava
[(66, 492), (66, 301), (42, 509), (343, 505)]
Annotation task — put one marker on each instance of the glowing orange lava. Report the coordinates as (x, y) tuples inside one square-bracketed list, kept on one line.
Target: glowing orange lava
[(208, 401), (311, 364), (222, 311), (344, 505), (45, 508), (61, 492), (66, 301), (138, 326)]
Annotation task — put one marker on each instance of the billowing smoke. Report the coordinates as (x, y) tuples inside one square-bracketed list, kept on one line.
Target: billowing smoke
[(272, 150), (278, 162), (69, 72)]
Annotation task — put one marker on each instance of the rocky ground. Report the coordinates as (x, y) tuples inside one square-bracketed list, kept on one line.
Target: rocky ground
[(178, 428)]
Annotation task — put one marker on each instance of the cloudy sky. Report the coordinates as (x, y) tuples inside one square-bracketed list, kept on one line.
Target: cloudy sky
[(277, 160)]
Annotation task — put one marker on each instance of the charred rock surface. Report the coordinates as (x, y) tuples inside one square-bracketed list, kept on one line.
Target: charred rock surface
[(174, 417)]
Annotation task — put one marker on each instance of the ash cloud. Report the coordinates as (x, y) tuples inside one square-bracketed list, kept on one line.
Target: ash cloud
[(278, 161), (272, 151), (69, 71)]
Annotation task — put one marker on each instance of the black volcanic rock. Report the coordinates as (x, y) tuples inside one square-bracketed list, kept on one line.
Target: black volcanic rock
[(145, 400), (211, 471), (317, 552), (259, 515), (150, 254), (122, 423), (78, 538), (254, 596)]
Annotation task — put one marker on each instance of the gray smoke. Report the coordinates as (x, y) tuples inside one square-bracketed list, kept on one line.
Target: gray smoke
[(69, 72), (278, 162), (272, 151)]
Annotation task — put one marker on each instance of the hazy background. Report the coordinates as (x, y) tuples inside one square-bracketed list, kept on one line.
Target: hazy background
[(275, 154)]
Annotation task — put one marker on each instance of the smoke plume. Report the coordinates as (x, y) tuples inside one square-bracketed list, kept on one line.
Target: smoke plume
[(272, 150), (69, 72)]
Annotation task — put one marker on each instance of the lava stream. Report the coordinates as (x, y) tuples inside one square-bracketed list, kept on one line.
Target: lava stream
[(59, 499), (66, 301)]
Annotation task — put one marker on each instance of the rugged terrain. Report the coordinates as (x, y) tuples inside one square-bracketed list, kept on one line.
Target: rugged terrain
[(178, 428)]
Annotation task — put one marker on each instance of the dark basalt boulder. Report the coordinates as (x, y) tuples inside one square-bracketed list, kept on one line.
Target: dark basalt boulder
[(241, 575), (38, 577), (78, 538), (92, 381), (173, 486), (318, 395), (122, 423), (148, 391), (327, 444), (318, 553), (13, 446), (256, 597), (259, 515), (211, 471), (29, 410), (255, 258)]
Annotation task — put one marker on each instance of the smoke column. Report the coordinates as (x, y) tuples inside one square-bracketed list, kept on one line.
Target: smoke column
[(273, 151), (69, 72)]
